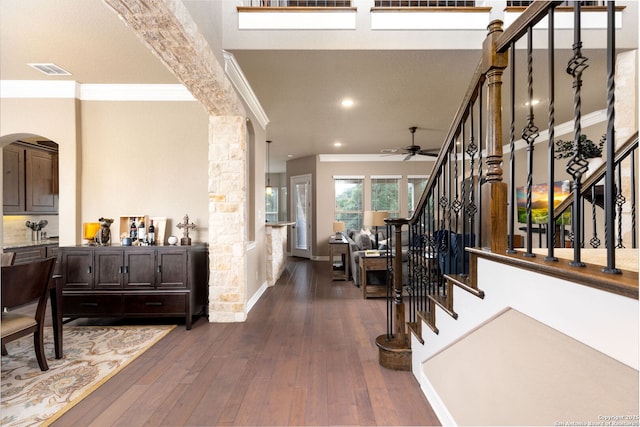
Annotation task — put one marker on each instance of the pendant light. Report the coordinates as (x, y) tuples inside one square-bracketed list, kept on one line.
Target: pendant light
[(268, 188)]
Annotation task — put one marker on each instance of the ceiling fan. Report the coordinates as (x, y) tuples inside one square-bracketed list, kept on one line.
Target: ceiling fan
[(412, 149)]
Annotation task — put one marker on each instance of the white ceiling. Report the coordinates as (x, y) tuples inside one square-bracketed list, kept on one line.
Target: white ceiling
[(300, 91)]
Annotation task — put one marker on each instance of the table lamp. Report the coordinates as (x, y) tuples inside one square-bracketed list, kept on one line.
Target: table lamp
[(375, 219), (338, 228)]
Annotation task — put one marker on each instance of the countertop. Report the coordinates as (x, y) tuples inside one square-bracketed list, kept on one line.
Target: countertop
[(29, 243), (278, 224)]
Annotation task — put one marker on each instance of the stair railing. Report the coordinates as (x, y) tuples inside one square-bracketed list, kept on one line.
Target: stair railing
[(465, 202)]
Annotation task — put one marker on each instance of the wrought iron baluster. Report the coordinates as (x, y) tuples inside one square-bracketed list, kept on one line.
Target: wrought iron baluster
[(620, 201), (512, 151), (577, 166), (551, 225), (594, 242), (529, 135), (480, 172), (456, 205), (472, 150), (609, 189), (633, 200)]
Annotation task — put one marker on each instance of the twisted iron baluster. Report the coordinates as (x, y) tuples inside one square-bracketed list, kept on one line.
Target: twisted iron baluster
[(595, 242), (480, 175), (512, 152), (551, 225), (633, 200), (609, 191), (529, 134), (577, 166), (457, 205), (472, 150), (620, 200)]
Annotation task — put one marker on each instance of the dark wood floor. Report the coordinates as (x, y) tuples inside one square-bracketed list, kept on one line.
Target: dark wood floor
[(305, 356)]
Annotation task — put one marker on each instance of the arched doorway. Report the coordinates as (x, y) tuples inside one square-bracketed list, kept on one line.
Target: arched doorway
[(30, 189)]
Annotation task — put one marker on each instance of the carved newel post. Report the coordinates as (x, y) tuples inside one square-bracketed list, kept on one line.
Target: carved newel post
[(494, 191), (186, 240), (394, 348)]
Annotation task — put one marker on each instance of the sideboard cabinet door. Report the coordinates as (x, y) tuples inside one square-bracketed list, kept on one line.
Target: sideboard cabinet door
[(76, 268), (140, 267), (109, 269), (172, 269)]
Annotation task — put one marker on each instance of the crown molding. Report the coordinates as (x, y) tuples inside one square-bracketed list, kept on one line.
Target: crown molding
[(135, 92), (65, 89), (234, 72), (69, 89)]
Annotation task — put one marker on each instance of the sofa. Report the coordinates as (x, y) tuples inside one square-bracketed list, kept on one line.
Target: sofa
[(362, 240)]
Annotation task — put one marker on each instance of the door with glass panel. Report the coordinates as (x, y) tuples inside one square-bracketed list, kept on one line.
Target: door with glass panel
[(301, 210)]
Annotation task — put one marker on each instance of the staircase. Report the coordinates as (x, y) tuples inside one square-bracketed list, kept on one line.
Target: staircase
[(500, 335)]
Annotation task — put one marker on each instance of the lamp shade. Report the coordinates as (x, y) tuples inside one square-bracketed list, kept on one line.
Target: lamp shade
[(375, 218), (338, 226)]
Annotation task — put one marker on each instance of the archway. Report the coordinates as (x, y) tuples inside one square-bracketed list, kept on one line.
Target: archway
[(27, 148)]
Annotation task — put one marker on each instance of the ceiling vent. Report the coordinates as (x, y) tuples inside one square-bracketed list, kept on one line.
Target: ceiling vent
[(50, 69)]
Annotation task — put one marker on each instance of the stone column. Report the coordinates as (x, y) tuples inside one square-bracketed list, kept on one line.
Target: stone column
[(227, 219)]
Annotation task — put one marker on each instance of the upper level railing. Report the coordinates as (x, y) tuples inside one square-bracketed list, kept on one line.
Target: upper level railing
[(470, 200), (300, 3)]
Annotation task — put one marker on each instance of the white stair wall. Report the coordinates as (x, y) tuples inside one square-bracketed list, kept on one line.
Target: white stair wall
[(601, 320)]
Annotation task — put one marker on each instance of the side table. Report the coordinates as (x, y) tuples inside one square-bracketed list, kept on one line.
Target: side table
[(372, 263), (339, 246)]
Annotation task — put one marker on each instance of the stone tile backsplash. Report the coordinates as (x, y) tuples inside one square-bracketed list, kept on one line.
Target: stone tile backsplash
[(15, 230)]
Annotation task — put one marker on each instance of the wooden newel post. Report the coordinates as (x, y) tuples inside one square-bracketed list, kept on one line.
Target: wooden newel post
[(494, 191), (394, 347), (398, 304)]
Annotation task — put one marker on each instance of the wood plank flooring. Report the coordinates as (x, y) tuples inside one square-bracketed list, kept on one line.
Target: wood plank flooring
[(305, 356)]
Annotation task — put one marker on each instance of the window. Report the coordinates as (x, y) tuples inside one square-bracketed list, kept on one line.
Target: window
[(416, 186), (271, 204), (348, 201), (385, 195)]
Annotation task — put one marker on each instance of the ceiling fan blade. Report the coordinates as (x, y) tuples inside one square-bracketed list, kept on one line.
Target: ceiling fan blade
[(427, 153), (408, 156)]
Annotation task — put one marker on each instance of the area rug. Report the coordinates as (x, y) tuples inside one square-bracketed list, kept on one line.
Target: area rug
[(92, 355)]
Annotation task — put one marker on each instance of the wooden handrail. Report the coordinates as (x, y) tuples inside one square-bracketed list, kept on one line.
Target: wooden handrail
[(531, 16), (264, 9)]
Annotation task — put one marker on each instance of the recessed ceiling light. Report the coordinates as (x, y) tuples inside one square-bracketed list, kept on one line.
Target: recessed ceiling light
[(289, 155), (50, 69), (533, 102), (347, 102), (337, 144)]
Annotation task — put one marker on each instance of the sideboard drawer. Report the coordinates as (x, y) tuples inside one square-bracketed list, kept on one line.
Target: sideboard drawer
[(156, 303), (91, 304)]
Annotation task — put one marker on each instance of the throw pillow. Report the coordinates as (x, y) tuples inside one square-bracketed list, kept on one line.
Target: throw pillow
[(363, 241)]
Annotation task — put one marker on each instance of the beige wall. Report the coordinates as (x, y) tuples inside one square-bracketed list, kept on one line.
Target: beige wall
[(145, 158), (121, 158)]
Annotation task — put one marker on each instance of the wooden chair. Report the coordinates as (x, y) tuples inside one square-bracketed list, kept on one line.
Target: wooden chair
[(23, 284), (8, 258)]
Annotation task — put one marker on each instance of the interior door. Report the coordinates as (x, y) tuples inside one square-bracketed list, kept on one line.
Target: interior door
[(301, 209)]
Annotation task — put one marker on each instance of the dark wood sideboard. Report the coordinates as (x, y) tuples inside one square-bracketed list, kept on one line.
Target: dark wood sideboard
[(134, 281)]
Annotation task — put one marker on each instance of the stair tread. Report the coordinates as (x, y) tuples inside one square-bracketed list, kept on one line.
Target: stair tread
[(443, 302), (464, 282), (425, 318)]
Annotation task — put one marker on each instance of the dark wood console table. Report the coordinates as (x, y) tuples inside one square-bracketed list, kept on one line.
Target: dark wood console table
[(134, 281)]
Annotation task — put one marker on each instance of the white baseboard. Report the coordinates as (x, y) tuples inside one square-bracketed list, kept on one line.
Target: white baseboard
[(254, 299)]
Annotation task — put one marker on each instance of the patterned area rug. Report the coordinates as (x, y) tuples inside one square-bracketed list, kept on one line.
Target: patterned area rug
[(92, 355)]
